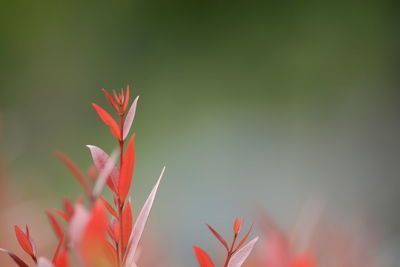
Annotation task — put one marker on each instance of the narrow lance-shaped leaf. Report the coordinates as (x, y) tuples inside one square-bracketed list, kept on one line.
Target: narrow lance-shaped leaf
[(109, 207), (74, 170), (93, 245), (108, 120), (202, 257), (220, 238), (139, 225), (128, 165), (241, 255), (62, 261), (111, 100), (126, 99), (130, 117), (24, 241), (126, 225), (56, 225), (15, 258)]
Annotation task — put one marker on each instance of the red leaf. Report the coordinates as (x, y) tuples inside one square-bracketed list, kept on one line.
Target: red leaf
[(56, 225), (74, 170), (111, 253), (108, 120), (202, 258), (109, 207), (94, 249), (220, 238), (16, 259), (62, 214), (24, 241), (237, 225), (55, 256), (127, 168), (113, 230), (111, 100), (126, 99), (126, 225), (62, 261), (304, 260), (244, 238)]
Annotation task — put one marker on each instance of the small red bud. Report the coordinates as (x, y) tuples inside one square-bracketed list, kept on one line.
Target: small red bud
[(237, 225)]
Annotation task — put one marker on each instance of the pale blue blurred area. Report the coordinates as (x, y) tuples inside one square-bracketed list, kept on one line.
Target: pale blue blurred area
[(248, 104)]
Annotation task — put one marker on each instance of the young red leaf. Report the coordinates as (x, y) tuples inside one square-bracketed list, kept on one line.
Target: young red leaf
[(55, 256), (24, 241), (62, 214), (128, 165), (237, 225), (109, 207), (140, 222), (15, 258), (244, 238), (74, 170), (202, 257), (111, 100), (113, 230), (126, 98), (56, 225), (93, 245), (241, 255), (126, 224), (130, 117), (62, 261), (110, 253), (108, 120), (220, 238)]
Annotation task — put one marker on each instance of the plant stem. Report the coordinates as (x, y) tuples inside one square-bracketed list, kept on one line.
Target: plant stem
[(230, 252), (120, 204)]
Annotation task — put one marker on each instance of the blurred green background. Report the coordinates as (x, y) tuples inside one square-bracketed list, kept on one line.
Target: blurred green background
[(247, 103)]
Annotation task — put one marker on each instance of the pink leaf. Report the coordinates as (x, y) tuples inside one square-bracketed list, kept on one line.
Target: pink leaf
[(139, 225), (106, 168), (43, 262), (78, 224), (130, 117), (241, 255), (16, 259)]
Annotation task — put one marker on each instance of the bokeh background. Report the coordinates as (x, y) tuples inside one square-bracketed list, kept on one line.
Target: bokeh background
[(249, 104)]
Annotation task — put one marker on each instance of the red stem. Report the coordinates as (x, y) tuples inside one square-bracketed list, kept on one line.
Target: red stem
[(230, 252), (121, 205)]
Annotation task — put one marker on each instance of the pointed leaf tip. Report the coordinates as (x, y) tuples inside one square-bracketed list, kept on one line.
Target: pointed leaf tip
[(130, 117), (15, 258), (24, 241), (140, 224), (219, 237), (202, 257), (128, 166), (241, 255), (108, 120)]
